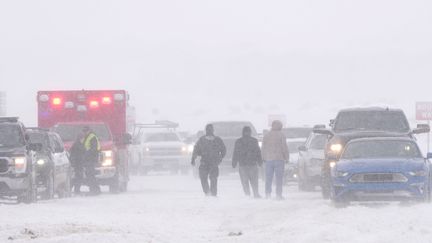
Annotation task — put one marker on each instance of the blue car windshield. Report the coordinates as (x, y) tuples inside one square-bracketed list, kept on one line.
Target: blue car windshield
[(381, 149)]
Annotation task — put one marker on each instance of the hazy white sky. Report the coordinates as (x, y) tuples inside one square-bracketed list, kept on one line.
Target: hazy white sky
[(195, 61)]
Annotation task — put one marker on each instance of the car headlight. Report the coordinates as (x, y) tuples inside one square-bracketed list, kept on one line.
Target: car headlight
[(341, 174), (107, 153), (332, 164), (191, 148), (108, 162), (147, 149), (336, 148), (184, 149), (107, 159), (20, 164), (40, 162), (421, 173), (260, 144)]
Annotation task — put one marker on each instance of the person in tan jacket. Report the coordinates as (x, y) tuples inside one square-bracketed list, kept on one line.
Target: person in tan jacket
[(275, 154)]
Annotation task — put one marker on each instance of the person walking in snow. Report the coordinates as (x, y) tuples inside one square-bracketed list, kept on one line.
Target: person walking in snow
[(247, 154), (275, 154), (77, 162), (212, 150)]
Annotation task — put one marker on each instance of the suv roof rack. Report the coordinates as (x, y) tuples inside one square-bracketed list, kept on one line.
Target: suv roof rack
[(9, 119)]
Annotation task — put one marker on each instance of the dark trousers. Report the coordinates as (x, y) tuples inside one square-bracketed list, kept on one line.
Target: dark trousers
[(206, 172), (90, 173), (249, 178), (78, 178)]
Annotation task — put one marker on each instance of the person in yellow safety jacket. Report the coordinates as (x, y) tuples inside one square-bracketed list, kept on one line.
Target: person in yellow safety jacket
[(91, 159)]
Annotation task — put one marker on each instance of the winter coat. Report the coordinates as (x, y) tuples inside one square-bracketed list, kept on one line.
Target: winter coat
[(91, 155), (77, 153), (211, 149), (247, 151), (274, 147)]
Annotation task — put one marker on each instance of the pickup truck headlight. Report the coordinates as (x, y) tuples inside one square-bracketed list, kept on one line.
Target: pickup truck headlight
[(108, 162), (107, 158), (332, 164), (191, 148), (420, 173), (40, 162), (107, 153), (336, 148), (20, 164)]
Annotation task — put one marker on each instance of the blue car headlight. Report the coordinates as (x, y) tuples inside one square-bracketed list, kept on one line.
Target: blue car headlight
[(341, 174), (420, 173)]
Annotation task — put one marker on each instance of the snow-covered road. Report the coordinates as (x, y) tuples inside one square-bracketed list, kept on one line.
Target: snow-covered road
[(162, 208)]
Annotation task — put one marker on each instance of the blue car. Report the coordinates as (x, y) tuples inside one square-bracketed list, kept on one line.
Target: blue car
[(380, 169)]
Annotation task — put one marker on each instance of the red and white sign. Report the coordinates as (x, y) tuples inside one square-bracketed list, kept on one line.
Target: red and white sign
[(424, 111)]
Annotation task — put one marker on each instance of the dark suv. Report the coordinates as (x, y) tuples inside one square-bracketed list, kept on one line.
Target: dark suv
[(53, 170), (17, 160), (362, 123)]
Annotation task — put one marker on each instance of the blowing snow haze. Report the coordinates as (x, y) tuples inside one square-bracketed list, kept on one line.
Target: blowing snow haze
[(194, 61)]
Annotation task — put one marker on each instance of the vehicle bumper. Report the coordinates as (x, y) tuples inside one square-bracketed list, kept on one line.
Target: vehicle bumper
[(13, 186), (104, 173), (380, 191), (166, 162)]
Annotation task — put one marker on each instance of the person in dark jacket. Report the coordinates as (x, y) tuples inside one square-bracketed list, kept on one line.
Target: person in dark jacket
[(212, 150), (247, 154), (77, 162), (91, 157)]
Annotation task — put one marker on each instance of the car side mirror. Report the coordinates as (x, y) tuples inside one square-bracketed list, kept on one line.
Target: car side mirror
[(429, 156), (323, 131), (37, 147), (332, 122), (421, 128), (302, 148)]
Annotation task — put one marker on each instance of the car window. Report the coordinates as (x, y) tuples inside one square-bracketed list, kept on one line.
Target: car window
[(381, 149), (318, 142), (390, 121), (70, 132), (39, 137), (11, 135), (58, 145), (162, 137), (293, 146)]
